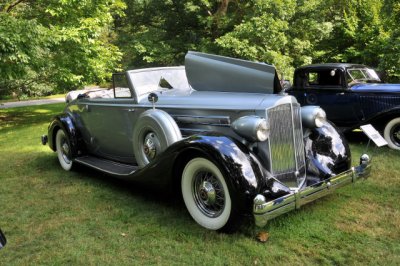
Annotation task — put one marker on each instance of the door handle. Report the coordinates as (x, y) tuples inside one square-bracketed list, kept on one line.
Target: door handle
[(131, 110)]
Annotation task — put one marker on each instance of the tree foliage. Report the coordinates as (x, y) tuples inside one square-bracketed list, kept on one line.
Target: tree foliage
[(68, 43), (285, 33), (62, 44)]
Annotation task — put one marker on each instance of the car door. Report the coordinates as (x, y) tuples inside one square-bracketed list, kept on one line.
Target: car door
[(109, 124)]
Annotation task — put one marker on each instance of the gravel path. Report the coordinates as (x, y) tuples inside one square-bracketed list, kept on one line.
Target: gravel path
[(31, 102)]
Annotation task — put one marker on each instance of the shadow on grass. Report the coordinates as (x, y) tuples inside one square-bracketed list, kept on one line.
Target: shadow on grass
[(165, 198), (14, 117)]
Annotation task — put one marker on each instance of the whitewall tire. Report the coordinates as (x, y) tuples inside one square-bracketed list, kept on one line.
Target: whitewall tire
[(392, 133), (63, 147), (206, 194)]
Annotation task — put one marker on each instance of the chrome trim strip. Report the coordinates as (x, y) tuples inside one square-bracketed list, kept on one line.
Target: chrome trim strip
[(203, 120), (268, 210)]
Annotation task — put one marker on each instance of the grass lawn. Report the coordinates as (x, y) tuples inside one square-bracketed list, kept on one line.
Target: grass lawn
[(53, 217)]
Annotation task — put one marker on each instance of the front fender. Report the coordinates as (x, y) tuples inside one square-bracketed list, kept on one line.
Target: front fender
[(327, 151), (65, 122), (244, 173)]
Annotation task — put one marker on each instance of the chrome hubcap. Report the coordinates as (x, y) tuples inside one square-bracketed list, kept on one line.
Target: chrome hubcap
[(395, 135), (151, 146), (65, 150), (208, 194)]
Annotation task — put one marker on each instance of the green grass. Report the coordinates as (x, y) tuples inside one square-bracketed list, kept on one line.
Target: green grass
[(53, 217)]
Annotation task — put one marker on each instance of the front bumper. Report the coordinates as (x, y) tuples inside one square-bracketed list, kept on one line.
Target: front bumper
[(264, 211)]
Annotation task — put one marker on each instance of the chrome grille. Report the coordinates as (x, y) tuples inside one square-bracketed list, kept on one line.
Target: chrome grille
[(286, 144)]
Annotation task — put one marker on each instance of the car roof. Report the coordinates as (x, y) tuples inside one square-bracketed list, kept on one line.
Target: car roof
[(332, 65)]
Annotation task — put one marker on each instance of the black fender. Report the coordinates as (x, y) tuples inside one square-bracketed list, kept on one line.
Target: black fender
[(382, 118), (378, 120), (244, 174), (241, 169), (65, 121), (327, 151)]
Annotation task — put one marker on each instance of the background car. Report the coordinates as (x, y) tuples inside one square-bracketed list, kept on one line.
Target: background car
[(351, 95), (218, 130)]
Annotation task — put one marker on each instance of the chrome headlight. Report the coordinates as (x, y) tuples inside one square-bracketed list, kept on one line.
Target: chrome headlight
[(252, 128), (313, 116)]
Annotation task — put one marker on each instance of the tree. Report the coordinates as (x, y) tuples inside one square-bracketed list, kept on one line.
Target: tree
[(156, 32), (63, 44)]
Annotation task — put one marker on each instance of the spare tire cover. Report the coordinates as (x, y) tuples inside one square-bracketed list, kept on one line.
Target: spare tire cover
[(154, 131)]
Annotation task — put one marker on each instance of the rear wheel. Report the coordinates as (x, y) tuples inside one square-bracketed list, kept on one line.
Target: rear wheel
[(392, 133), (206, 194), (63, 147)]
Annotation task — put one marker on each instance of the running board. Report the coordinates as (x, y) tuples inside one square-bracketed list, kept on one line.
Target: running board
[(107, 166)]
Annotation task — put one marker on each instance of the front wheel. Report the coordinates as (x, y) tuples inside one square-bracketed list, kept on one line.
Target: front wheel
[(206, 194), (63, 147), (392, 133)]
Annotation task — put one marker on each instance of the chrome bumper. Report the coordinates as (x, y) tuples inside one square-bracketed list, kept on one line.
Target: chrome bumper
[(264, 211)]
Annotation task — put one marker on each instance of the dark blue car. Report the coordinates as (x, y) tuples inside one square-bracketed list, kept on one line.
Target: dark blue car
[(351, 95)]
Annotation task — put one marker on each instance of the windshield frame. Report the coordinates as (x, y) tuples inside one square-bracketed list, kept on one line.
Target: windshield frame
[(145, 81), (369, 75)]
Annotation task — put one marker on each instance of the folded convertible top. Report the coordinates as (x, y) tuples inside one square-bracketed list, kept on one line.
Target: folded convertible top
[(207, 72)]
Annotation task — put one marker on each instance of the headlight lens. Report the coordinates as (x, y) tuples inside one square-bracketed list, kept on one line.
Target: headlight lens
[(262, 130), (320, 118), (313, 116), (252, 128)]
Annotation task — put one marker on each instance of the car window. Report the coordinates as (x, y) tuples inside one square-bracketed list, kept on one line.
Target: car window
[(326, 77), (121, 88)]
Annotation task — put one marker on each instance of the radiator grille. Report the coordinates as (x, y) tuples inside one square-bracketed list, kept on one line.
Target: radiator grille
[(286, 144)]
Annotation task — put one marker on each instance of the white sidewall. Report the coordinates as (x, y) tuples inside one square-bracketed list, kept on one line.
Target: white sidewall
[(188, 175), (387, 130), (66, 165)]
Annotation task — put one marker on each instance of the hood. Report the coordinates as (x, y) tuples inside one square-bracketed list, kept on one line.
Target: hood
[(376, 87), (218, 100)]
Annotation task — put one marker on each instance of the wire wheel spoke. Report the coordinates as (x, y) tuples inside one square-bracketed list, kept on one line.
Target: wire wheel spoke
[(208, 194)]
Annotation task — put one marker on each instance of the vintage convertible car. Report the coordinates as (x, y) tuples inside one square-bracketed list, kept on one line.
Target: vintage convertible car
[(351, 95), (218, 130)]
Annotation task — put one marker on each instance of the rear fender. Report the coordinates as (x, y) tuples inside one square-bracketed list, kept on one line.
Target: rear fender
[(381, 119), (66, 123)]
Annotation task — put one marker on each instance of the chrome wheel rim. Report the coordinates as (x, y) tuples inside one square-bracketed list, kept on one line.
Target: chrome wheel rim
[(64, 149), (208, 194), (395, 135), (151, 146)]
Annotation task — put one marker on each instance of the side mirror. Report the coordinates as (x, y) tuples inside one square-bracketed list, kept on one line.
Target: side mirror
[(3, 239)]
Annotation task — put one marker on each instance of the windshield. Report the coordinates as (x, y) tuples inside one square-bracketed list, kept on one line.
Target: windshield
[(158, 79), (361, 75)]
